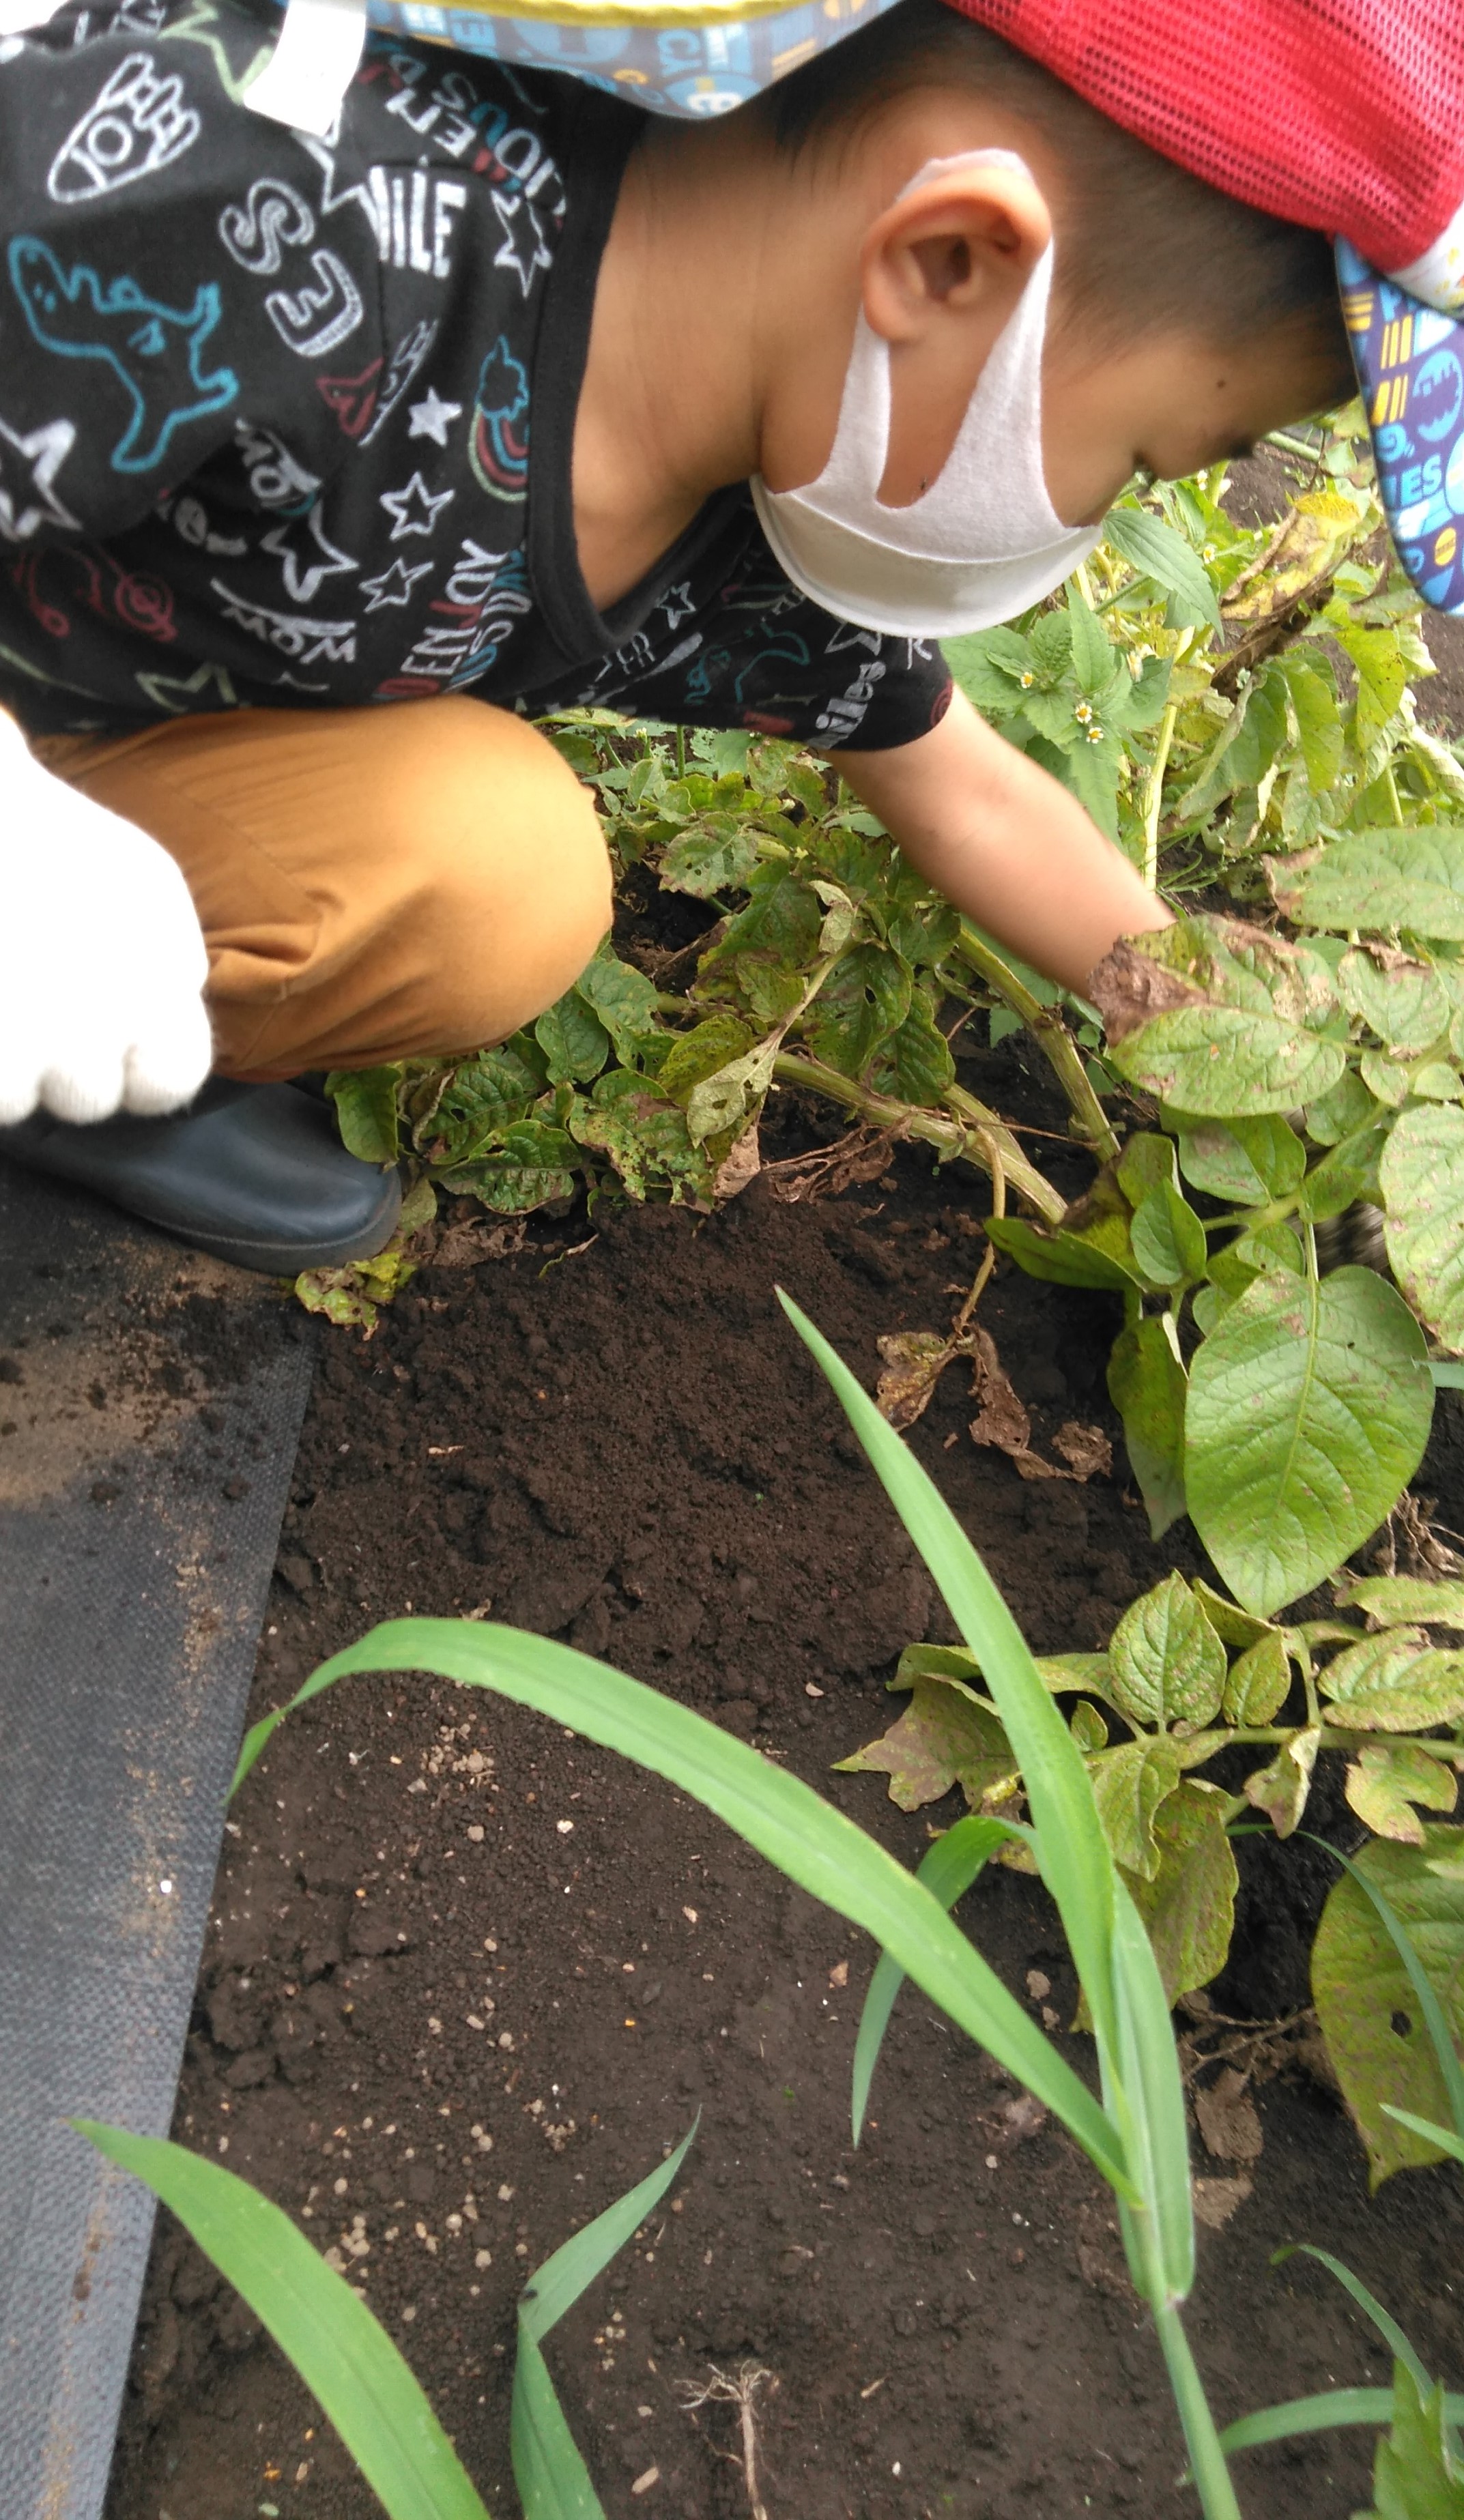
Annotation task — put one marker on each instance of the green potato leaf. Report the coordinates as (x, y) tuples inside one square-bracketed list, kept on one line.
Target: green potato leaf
[(1258, 1682), (1168, 1663), (1380, 879), (574, 1042), (1168, 1238), (1147, 1162), (865, 998), (1420, 1174), (1130, 1785), (1147, 1385), (1436, 1600), (704, 1052), (1157, 551), (622, 998), (1370, 2015), (1220, 1062), (1394, 1682), (366, 1114), (1188, 1903), (1403, 1002), (1310, 1407), (1247, 1160), (716, 855), (1416, 2475), (1065, 1259)]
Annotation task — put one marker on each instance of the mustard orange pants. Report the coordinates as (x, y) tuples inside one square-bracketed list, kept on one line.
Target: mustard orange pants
[(373, 883)]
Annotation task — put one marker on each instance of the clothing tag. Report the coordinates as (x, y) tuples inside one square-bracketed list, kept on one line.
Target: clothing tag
[(312, 64)]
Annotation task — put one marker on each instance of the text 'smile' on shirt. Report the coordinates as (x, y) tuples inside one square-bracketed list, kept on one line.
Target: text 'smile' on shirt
[(266, 404)]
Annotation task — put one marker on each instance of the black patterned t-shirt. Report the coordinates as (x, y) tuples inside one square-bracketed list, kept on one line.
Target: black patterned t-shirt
[(288, 422)]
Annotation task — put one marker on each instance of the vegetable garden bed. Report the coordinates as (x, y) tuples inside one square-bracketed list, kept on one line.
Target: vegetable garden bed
[(632, 1449), (469, 1978)]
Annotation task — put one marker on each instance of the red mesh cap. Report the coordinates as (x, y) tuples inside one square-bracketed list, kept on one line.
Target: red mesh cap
[(1341, 115)]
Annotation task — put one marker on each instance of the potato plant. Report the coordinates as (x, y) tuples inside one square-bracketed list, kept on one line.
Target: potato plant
[(1241, 1081)]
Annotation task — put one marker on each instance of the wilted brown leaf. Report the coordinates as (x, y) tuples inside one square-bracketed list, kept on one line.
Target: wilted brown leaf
[(860, 1155), (741, 1164), (913, 1363), (1086, 1450), (1130, 988)]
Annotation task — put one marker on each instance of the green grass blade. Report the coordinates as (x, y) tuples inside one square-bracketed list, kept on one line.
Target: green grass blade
[(1370, 2306), (1418, 1978), (340, 2351), (825, 1854), (553, 2481), (1149, 2106), (1320, 2414), (1071, 1849), (561, 2279), (947, 1873), (1446, 1376), (1450, 2144)]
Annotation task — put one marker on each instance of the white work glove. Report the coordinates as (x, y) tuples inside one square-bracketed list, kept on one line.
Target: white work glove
[(101, 958)]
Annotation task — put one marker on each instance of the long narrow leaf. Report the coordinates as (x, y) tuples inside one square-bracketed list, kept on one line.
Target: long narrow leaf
[(561, 2279), (1450, 2144), (947, 1872), (1418, 1978), (825, 1854), (1149, 2104), (1319, 2414), (553, 2481), (343, 2354), (1069, 1845), (1370, 2306)]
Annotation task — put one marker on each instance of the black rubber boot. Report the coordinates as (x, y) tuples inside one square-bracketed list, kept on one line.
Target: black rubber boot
[(255, 1174)]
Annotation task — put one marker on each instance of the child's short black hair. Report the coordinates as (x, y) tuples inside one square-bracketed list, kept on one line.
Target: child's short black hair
[(1142, 245)]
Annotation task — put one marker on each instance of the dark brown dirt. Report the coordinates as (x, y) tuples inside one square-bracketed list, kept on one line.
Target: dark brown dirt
[(467, 1976)]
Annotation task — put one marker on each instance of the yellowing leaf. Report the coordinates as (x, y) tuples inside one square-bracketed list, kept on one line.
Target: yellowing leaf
[(946, 1736), (1370, 2015), (1388, 1778), (1281, 1789)]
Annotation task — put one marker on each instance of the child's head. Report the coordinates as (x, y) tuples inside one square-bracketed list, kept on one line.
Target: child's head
[(1182, 323)]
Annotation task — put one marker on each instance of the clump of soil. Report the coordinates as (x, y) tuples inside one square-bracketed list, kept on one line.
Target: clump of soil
[(467, 1975)]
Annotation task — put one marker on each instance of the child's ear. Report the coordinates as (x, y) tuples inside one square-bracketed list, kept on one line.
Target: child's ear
[(963, 245)]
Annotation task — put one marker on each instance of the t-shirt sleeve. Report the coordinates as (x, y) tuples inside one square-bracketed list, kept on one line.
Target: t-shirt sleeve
[(162, 277), (760, 654)]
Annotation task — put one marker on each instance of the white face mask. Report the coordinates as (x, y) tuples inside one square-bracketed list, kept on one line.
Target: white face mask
[(984, 542)]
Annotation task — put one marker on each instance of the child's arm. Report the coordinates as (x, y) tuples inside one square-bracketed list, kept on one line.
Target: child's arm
[(1005, 843)]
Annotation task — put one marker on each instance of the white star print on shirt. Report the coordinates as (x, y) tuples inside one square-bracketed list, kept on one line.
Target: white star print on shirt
[(45, 451), (415, 508), (394, 585), (430, 418)]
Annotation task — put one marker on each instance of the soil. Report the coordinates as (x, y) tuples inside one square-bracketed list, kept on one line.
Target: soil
[(467, 1976)]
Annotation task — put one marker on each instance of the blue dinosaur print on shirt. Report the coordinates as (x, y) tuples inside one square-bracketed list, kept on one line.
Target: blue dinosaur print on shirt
[(80, 316)]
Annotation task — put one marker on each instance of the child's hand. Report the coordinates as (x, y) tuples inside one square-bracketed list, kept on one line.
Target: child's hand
[(103, 962), (1006, 844)]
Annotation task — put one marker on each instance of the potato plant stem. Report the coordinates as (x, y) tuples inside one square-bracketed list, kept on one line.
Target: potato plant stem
[(966, 1129), (1154, 801), (1052, 1037), (1207, 2468)]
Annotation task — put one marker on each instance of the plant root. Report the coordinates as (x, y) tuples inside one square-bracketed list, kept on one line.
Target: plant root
[(741, 2393)]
